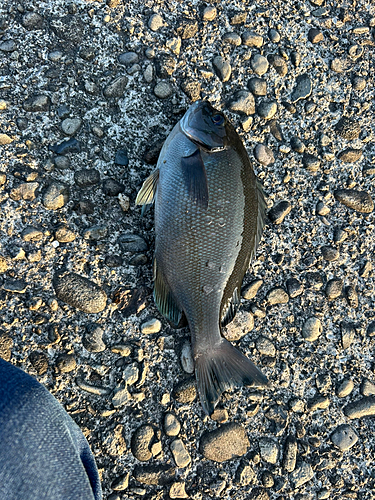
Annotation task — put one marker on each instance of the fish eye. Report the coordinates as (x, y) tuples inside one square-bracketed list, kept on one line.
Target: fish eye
[(217, 119)]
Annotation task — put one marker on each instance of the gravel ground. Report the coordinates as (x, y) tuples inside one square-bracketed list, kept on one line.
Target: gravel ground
[(88, 93)]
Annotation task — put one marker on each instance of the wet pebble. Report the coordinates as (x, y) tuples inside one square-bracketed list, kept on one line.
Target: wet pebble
[(344, 437), (259, 64), (269, 450), (303, 88), (37, 103), (222, 67), (66, 363), (242, 102), (350, 155), (278, 212), (92, 340), (329, 253), (86, 177), (310, 162), (301, 475), (171, 425), (79, 292), (312, 329), (264, 154), (257, 86), (180, 453), (232, 38), (334, 288), (296, 144), (70, 126), (116, 87), (360, 201), (66, 146), (224, 443), (55, 196), (151, 326), (294, 287), (267, 109), (111, 187), (252, 39), (163, 90), (274, 36)]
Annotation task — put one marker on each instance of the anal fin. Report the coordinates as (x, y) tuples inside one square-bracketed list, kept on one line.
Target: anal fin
[(194, 173), (231, 308)]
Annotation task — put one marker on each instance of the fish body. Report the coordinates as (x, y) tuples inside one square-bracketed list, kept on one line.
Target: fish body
[(209, 216)]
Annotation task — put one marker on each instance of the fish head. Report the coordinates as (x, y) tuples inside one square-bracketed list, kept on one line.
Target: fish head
[(205, 126)]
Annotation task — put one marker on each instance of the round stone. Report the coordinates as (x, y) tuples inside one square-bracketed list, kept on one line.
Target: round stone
[(252, 39), (264, 154), (242, 102), (265, 346), (276, 296), (222, 67), (55, 196), (163, 90), (141, 442), (64, 234), (312, 329), (257, 86), (224, 443), (259, 64), (171, 425), (267, 109), (279, 64), (209, 13), (66, 363), (315, 35), (151, 326), (61, 162), (302, 89), (79, 292), (187, 360), (128, 58), (70, 126), (344, 437), (155, 22), (111, 187), (274, 36)]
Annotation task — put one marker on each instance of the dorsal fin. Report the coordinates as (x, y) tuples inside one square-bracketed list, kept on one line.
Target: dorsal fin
[(146, 194), (195, 178)]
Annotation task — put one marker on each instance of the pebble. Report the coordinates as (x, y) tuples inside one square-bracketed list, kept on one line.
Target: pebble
[(15, 286), (132, 243), (259, 494), (329, 253), (3, 265), (185, 391), (341, 64), (232, 38), (22, 123), (345, 388), (227, 442), (268, 480), (290, 454), (98, 232), (31, 233), (66, 363), (192, 89), (209, 13), (279, 64), (142, 441), (267, 109), (350, 155), (348, 128), (64, 234), (131, 374), (259, 64), (364, 407), (121, 483), (351, 296), (172, 426), (70, 126), (365, 269), (249, 291), (163, 90), (177, 490), (187, 28), (91, 388), (344, 437), (79, 292), (274, 36), (269, 450), (277, 132), (222, 67), (294, 287), (265, 346), (264, 154), (371, 329), (8, 46), (121, 396), (121, 349), (252, 39), (37, 103), (322, 209), (367, 388), (148, 73), (301, 475), (276, 296), (318, 403), (278, 212), (116, 87), (312, 329), (303, 88), (128, 58), (334, 288), (32, 21), (111, 187), (151, 326), (55, 196), (315, 35), (92, 340), (257, 86), (360, 201), (25, 191), (155, 22), (124, 202), (154, 474), (180, 454), (187, 360), (310, 162), (62, 162), (86, 177), (347, 330), (359, 83), (66, 146), (39, 360), (5, 139), (242, 102)]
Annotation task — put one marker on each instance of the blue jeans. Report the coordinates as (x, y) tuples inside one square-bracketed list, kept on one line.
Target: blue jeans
[(43, 453)]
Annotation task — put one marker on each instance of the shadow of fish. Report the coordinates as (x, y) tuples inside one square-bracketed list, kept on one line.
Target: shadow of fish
[(209, 216)]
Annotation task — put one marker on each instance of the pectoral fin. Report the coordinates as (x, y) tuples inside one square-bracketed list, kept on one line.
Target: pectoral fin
[(146, 194), (195, 178)]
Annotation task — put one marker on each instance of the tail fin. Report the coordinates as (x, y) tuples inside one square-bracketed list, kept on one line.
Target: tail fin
[(221, 369)]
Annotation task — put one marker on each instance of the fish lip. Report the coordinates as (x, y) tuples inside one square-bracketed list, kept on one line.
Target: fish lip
[(203, 146)]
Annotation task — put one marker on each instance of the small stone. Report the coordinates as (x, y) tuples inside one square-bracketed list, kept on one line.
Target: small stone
[(163, 90), (232, 38), (121, 349), (93, 338), (339, 235), (267, 110), (274, 36), (121, 157), (364, 407), (39, 360), (334, 288), (278, 212), (6, 344), (367, 388), (22, 123), (70, 126), (121, 482), (131, 374), (351, 296), (265, 346), (185, 391), (187, 28), (360, 201), (250, 290), (302, 89), (192, 89), (365, 269), (348, 128), (290, 454), (350, 155), (312, 329), (279, 64), (268, 480), (257, 86), (87, 177), (242, 102), (318, 403), (295, 58), (128, 58), (62, 162), (294, 287), (330, 253), (15, 286), (359, 83), (209, 13), (8, 46), (264, 154), (344, 437), (341, 65), (116, 88), (79, 292), (165, 65), (151, 326), (31, 233), (277, 132), (347, 333), (259, 64), (66, 363), (345, 388), (155, 22), (132, 243), (63, 111), (276, 296), (66, 146), (25, 191), (180, 454), (259, 494), (55, 196), (124, 202), (222, 67), (315, 35), (177, 490), (32, 21), (37, 103), (64, 234), (269, 450), (371, 329), (310, 162), (252, 39), (154, 474), (111, 187), (141, 442), (187, 360), (322, 209), (5, 139), (301, 475), (224, 443), (171, 425)]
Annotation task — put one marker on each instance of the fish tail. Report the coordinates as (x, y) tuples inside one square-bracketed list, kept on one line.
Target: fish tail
[(222, 368)]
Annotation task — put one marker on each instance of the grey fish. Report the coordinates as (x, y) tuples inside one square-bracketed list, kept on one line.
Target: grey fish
[(209, 217)]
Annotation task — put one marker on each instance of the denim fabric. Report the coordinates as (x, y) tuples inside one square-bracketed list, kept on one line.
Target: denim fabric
[(43, 453)]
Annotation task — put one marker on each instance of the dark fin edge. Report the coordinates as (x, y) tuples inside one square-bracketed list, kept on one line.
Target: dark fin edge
[(195, 178), (261, 218), (223, 368), (165, 301), (231, 309), (146, 194)]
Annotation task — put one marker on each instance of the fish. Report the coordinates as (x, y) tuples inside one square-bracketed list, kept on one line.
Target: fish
[(209, 217)]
